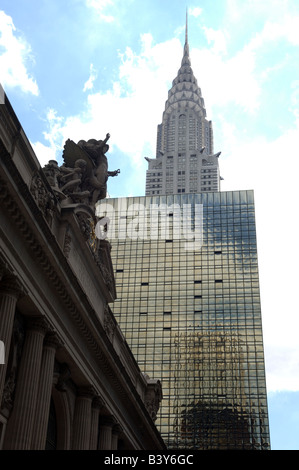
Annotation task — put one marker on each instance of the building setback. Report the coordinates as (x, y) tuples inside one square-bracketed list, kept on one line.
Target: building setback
[(185, 161)]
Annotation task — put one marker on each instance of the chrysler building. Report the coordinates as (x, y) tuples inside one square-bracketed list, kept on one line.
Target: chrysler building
[(185, 161)]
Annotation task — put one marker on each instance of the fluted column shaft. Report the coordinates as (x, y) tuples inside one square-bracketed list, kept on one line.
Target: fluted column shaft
[(20, 425), (9, 293), (82, 419), (116, 431), (105, 433), (44, 393), (97, 405)]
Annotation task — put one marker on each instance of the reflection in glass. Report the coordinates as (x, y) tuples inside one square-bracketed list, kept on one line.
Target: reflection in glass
[(197, 326)]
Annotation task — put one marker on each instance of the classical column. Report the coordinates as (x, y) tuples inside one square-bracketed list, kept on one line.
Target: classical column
[(82, 419), (97, 405), (20, 425), (105, 433), (40, 427), (10, 290), (116, 430)]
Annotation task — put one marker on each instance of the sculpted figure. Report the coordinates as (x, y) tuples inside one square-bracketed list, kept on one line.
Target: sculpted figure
[(89, 178), (71, 181), (52, 172)]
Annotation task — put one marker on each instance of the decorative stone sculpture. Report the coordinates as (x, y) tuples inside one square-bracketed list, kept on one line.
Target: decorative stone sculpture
[(83, 176), (153, 396), (76, 187)]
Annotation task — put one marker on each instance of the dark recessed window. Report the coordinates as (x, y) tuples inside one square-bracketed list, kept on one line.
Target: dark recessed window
[(119, 270), (167, 328), (166, 313), (197, 282), (198, 296), (218, 281), (142, 313), (144, 283), (218, 252)]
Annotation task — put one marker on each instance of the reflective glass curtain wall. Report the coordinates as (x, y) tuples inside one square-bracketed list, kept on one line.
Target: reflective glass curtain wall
[(192, 317)]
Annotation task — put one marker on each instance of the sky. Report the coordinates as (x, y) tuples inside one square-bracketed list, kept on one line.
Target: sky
[(81, 68)]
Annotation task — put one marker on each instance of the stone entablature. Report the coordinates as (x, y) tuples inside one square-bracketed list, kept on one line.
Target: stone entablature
[(53, 270)]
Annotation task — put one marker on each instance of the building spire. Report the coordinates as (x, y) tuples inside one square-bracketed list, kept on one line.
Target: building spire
[(186, 46)]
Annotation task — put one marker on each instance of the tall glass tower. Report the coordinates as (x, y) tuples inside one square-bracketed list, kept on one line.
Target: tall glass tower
[(186, 271)]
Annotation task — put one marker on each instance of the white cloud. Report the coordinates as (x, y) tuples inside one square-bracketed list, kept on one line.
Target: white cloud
[(227, 80), (100, 6), (13, 60), (282, 365), (88, 85), (218, 38), (196, 11), (238, 12), (239, 78), (44, 153), (286, 28), (131, 110), (271, 168), (53, 136)]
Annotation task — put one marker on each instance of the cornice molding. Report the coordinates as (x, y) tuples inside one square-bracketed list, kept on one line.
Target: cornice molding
[(8, 203)]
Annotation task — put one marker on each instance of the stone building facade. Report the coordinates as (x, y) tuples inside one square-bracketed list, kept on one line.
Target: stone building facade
[(68, 379)]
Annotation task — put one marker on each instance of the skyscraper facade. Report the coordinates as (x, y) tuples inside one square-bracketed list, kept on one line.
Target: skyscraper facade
[(188, 304), (186, 272), (185, 162)]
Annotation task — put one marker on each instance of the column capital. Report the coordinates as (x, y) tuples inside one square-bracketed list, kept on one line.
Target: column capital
[(107, 420), (117, 429), (52, 341), (11, 285), (39, 324), (5, 269), (98, 403), (86, 392)]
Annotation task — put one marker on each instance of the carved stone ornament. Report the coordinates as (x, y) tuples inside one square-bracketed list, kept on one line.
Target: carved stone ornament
[(67, 243), (43, 197), (83, 176), (11, 285), (104, 262), (109, 324), (77, 184), (87, 392), (98, 403), (153, 397)]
